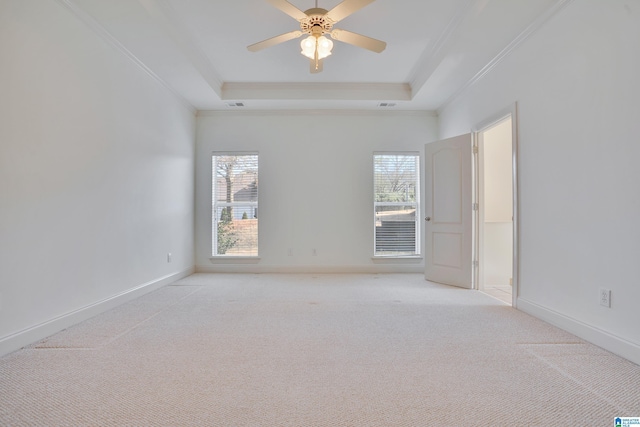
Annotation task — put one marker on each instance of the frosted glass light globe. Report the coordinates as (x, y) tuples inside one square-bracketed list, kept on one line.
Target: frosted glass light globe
[(324, 47), (308, 46)]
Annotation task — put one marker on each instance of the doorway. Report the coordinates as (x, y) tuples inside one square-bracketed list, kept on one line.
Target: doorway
[(471, 222), (494, 237)]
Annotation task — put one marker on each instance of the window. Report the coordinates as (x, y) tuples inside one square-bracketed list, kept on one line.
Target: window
[(235, 204), (396, 182)]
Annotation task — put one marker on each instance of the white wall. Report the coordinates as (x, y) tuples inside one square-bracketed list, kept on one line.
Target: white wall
[(316, 183), (577, 89), (96, 174), (497, 253), (498, 188)]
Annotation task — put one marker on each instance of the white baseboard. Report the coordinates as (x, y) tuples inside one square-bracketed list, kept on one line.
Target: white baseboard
[(311, 269), (16, 341), (608, 341)]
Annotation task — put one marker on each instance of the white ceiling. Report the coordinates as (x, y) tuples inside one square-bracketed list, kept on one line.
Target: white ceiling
[(435, 48)]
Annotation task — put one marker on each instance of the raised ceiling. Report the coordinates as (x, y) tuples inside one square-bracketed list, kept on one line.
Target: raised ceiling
[(435, 48)]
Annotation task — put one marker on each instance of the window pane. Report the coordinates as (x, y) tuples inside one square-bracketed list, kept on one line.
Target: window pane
[(395, 230), (395, 178), (235, 205), (396, 192)]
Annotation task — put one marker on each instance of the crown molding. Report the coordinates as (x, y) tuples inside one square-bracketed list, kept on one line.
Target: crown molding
[(329, 112), (165, 16), (512, 46), (318, 91), (105, 35), (433, 56)]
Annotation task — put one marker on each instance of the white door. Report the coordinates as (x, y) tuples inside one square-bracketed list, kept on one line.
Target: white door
[(448, 209)]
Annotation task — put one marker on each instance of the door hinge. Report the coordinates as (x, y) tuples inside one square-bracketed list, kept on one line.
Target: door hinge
[(476, 207), (476, 264), (475, 149)]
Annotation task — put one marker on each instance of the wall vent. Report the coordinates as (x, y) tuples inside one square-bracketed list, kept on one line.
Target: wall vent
[(235, 104), (387, 104)]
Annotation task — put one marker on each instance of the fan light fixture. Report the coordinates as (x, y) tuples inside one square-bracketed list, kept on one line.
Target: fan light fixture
[(315, 23), (313, 44)]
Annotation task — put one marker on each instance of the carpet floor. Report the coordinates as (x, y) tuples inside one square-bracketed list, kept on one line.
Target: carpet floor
[(315, 350)]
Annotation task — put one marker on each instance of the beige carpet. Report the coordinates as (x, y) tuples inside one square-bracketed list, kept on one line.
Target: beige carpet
[(315, 350)]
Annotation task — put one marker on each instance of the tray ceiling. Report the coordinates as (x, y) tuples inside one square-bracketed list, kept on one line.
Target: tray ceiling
[(435, 48)]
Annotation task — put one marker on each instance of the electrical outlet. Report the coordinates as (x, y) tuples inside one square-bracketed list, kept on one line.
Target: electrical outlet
[(314, 252), (168, 256), (605, 297)]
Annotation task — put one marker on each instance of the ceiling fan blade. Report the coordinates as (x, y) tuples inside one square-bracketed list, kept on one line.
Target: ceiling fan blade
[(358, 40), (274, 41), (313, 68), (288, 8), (346, 8)]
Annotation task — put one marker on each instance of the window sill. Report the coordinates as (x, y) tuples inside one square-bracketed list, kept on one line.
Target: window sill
[(234, 260), (416, 259)]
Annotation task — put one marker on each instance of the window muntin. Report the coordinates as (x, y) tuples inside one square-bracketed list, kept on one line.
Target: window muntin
[(235, 204), (396, 204)]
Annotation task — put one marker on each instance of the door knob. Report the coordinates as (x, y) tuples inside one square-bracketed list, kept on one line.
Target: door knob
[(428, 218)]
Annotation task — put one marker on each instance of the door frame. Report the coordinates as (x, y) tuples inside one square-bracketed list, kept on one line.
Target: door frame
[(510, 111)]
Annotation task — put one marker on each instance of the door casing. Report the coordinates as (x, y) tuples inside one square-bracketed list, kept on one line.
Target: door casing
[(510, 111)]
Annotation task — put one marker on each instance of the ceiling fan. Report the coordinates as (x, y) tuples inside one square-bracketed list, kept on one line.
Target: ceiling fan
[(317, 23)]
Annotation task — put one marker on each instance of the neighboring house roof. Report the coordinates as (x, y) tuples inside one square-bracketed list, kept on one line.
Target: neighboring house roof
[(246, 194)]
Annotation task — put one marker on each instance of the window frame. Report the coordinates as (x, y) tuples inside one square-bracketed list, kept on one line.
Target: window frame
[(215, 205), (417, 253)]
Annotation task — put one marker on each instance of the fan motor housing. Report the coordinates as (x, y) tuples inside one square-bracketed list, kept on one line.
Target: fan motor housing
[(316, 17)]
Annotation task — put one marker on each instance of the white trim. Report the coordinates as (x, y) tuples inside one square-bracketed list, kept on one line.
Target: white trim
[(432, 57), (615, 344), (101, 32), (361, 87), (35, 333), (215, 204), (306, 91), (515, 159), (165, 16), (417, 259), (513, 45), (223, 259), (397, 153), (512, 112), (417, 203), (496, 118), (311, 269), (311, 112)]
